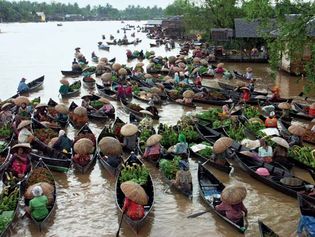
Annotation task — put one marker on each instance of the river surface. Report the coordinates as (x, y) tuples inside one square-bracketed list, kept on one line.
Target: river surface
[(86, 203)]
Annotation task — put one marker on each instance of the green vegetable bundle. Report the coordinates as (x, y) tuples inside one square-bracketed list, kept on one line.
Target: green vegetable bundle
[(255, 129), (8, 204), (169, 137), (251, 112), (5, 131), (136, 173), (190, 133), (96, 104), (236, 132), (75, 86), (211, 115), (305, 155), (203, 70), (222, 123), (169, 167)]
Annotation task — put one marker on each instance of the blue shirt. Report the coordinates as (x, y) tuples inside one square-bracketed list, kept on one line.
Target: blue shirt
[(23, 87), (307, 223)]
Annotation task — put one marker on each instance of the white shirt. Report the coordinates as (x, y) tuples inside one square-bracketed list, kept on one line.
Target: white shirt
[(23, 135)]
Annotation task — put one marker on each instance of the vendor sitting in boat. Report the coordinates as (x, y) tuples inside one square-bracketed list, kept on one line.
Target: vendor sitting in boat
[(181, 148), (265, 151), (306, 226), (6, 115), (75, 66), (40, 113), (297, 132), (232, 203), (130, 133), (63, 143), (135, 199), (20, 160), (111, 149), (153, 148), (121, 92), (249, 74), (251, 85), (64, 88), (275, 94), (183, 180), (245, 96), (23, 87), (220, 150), (25, 135), (271, 121), (38, 204)]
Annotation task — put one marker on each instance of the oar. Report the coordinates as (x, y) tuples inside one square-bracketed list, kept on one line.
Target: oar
[(197, 214), (122, 216)]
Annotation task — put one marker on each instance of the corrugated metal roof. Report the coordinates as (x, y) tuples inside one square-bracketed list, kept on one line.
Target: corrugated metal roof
[(251, 29)]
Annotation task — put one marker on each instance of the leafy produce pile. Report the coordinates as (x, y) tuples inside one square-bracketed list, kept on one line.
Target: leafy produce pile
[(207, 152), (40, 175), (255, 129), (169, 167), (8, 203), (251, 112), (87, 135), (203, 70), (236, 132), (136, 173), (35, 101), (45, 134), (222, 123), (211, 115), (75, 86), (190, 133), (305, 155), (169, 136), (145, 134), (135, 107), (96, 104), (5, 131)]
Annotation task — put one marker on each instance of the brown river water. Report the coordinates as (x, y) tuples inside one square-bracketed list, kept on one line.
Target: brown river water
[(86, 203)]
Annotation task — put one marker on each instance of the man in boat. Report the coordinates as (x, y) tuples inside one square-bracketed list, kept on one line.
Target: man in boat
[(183, 180), (121, 92), (245, 96), (23, 87), (24, 128), (77, 52), (41, 112), (75, 66), (38, 204), (63, 144), (275, 94), (65, 87)]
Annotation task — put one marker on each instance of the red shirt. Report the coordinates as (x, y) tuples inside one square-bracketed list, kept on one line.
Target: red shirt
[(134, 210), (271, 123), (19, 165), (246, 95), (232, 212), (311, 112), (128, 90)]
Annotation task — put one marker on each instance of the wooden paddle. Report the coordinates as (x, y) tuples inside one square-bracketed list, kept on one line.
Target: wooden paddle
[(122, 216), (197, 214)]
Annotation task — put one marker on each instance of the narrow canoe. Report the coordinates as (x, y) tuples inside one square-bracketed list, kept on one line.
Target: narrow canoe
[(209, 187), (307, 206), (265, 231), (106, 92), (71, 73), (125, 105), (231, 87), (136, 225), (300, 112), (62, 123), (41, 224), (33, 86), (179, 103), (89, 82), (83, 169)]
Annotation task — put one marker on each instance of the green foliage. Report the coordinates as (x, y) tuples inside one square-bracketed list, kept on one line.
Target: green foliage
[(190, 133), (236, 132), (255, 128), (222, 123), (5, 131), (169, 136), (136, 173), (169, 167), (96, 104), (145, 134), (251, 112), (210, 115), (303, 154)]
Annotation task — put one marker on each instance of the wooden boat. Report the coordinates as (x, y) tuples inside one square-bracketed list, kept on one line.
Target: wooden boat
[(210, 101), (32, 86), (15, 210), (62, 123), (103, 47), (74, 92), (209, 187), (117, 124), (42, 223), (300, 112), (89, 82), (83, 169), (226, 167), (153, 45), (5, 157), (192, 105), (265, 231), (107, 132), (307, 206), (71, 73), (106, 92), (232, 88), (125, 105), (136, 225), (38, 125), (274, 179), (146, 100), (54, 159)]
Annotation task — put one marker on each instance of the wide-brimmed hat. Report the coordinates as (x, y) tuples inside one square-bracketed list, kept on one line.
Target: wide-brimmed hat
[(64, 82), (24, 123), (110, 146), (62, 108), (297, 130), (154, 139), (107, 76), (222, 144), (25, 146), (21, 100), (116, 66), (284, 105), (80, 111), (281, 142), (128, 129), (233, 194), (134, 192), (3, 107), (84, 146), (23, 79), (122, 72), (312, 106), (140, 64), (188, 94), (41, 105), (104, 100), (148, 76)]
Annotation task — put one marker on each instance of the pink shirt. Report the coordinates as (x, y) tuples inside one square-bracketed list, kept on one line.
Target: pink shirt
[(152, 150), (232, 212)]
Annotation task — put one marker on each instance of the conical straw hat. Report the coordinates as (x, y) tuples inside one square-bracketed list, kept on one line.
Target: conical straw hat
[(134, 192), (297, 130), (110, 146), (21, 100), (24, 123), (233, 194), (129, 130), (280, 141), (222, 144), (154, 139), (83, 146), (62, 108)]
